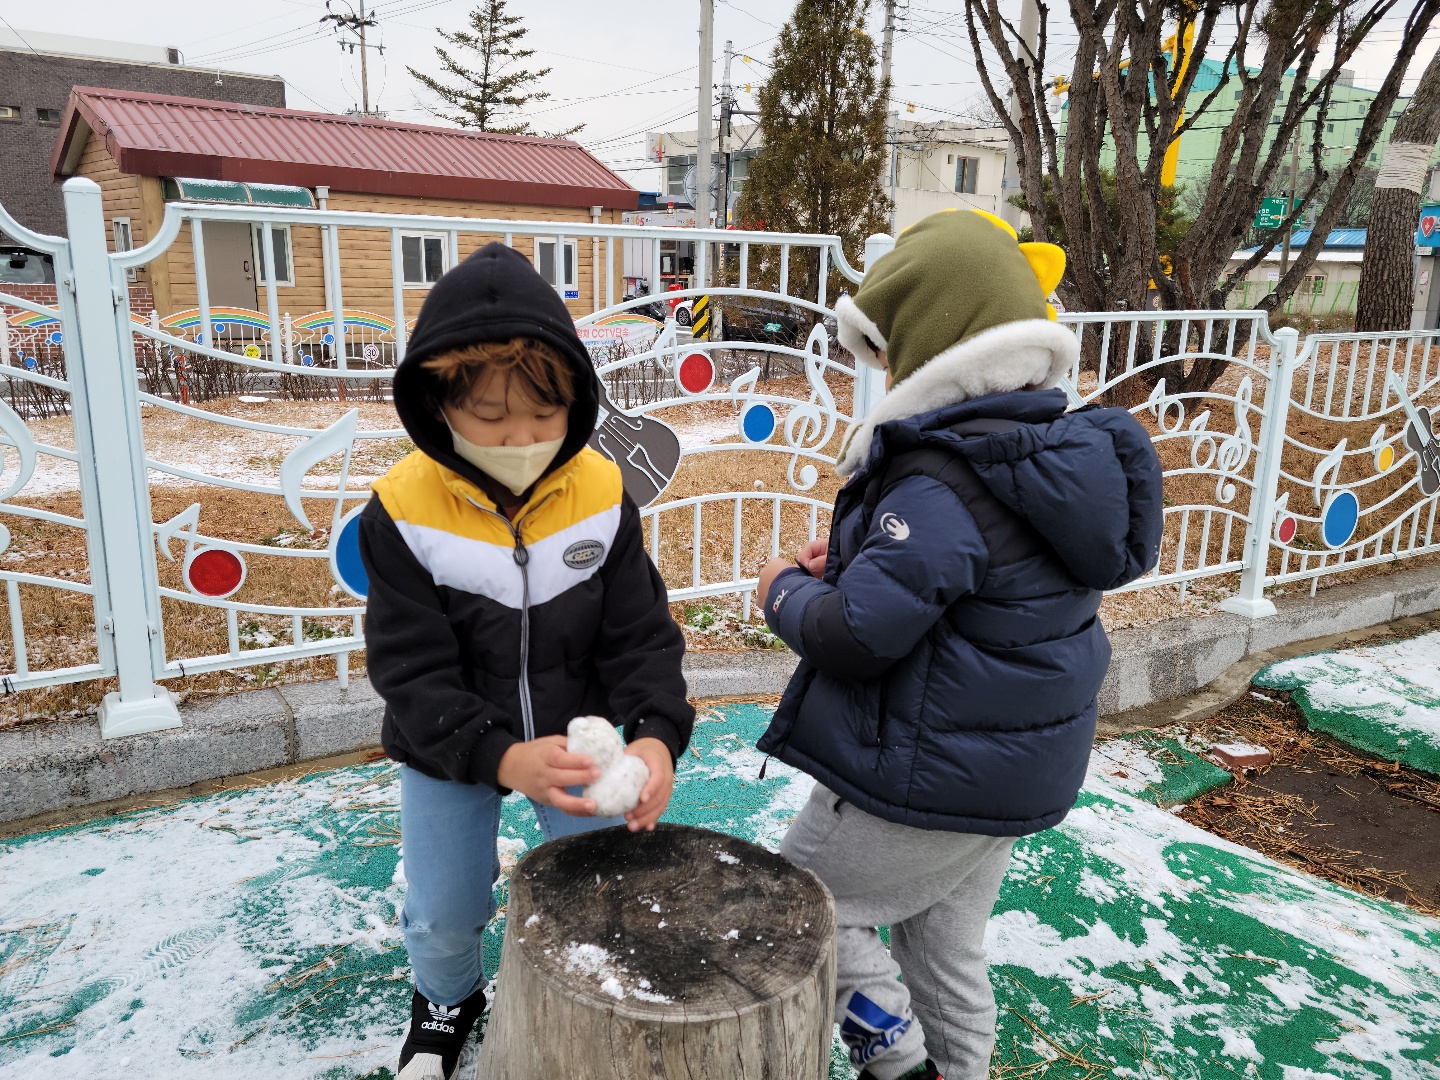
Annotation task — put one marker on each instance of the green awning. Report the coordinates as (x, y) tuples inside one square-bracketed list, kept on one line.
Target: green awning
[(182, 189)]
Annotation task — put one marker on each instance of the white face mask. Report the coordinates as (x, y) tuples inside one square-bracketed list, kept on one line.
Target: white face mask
[(513, 467)]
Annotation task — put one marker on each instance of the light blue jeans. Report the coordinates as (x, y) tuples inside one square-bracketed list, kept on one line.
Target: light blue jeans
[(447, 839)]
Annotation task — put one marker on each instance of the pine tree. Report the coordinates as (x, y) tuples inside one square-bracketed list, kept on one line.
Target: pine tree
[(822, 122), (488, 96)]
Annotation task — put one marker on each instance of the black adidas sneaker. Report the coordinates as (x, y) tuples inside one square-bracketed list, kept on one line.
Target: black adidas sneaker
[(437, 1035), (928, 1071)]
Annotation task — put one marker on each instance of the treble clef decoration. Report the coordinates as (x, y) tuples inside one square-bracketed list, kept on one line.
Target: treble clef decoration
[(809, 426)]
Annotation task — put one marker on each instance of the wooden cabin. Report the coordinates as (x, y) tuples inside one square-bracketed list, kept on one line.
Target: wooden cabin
[(147, 149)]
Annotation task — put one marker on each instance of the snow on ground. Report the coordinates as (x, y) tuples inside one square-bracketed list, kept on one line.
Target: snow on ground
[(254, 933), (249, 456), (223, 450), (1384, 699), (705, 429), (1125, 765)]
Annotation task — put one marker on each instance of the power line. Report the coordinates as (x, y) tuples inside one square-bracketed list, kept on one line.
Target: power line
[(17, 34)]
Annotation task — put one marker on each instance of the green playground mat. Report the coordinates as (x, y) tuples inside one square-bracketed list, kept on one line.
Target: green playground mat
[(1155, 768), (253, 934), (1382, 699)]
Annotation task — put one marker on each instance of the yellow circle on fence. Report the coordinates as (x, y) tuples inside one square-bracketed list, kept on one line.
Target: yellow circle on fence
[(252, 351), (1384, 458)]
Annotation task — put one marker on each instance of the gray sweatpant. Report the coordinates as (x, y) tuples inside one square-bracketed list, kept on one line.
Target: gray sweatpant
[(935, 891)]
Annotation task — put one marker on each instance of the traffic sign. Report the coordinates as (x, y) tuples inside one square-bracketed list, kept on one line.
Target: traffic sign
[(1271, 213), (1427, 235)]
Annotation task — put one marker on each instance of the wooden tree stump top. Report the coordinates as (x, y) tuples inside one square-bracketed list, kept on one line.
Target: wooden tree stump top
[(681, 919)]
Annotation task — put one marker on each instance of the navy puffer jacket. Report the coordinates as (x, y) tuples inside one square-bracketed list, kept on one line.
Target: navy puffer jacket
[(951, 655)]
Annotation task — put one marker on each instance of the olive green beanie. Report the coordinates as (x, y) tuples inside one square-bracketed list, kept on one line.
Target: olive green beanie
[(951, 276), (958, 309)]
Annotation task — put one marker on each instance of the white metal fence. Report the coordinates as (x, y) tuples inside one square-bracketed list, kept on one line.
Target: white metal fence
[(1281, 463)]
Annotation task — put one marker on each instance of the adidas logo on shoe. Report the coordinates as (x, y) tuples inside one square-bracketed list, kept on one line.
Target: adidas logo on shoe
[(441, 1018)]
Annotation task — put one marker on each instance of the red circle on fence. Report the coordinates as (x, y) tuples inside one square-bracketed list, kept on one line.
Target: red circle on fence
[(215, 572), (1285, 531), (696, 374)]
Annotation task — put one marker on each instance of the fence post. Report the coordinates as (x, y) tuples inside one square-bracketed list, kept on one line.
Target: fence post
[(106, 354), (869, 383), (1251, 600)]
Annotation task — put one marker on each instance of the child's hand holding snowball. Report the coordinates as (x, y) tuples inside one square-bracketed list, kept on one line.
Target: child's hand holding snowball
[(635, 780), (544, 768)]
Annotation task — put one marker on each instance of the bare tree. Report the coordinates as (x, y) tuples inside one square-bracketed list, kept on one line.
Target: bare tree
[(1125, 95), (1386, 276)]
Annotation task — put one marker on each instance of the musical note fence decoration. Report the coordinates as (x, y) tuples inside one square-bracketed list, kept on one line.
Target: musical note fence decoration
[(1356, 458), (1245, 421)]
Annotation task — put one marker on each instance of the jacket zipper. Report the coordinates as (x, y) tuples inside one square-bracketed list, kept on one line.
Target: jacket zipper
[(884, 710), (522, 560)]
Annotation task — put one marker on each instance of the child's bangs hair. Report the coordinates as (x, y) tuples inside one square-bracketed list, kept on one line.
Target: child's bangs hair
[(544, 375)]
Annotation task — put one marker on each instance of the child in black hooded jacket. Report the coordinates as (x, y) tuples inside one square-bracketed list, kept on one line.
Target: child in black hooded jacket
[(509, 592)]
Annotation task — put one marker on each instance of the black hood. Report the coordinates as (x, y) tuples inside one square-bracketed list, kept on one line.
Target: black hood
[(494, 295)]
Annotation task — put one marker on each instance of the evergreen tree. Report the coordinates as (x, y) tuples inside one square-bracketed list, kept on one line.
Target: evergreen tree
[(488, 95), (822, 121)]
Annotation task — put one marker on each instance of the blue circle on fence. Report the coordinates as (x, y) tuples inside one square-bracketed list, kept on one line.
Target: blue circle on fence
[(219, 327), (345, 562), (30, 363), (308, 360), (56, 337), (757, 423), (1339, 518), (328, 339)]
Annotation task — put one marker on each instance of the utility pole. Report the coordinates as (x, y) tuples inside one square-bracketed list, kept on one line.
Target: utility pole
[(892, 115), (1290, 200), (727, 108), (1029, 42), (356, 24), (704, 173)]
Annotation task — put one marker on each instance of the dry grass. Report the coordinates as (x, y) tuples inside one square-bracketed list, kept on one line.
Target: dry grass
[(60, 627), (1255, 816)]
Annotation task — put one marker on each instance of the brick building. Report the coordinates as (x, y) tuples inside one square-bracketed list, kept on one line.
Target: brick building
[(35, 84)]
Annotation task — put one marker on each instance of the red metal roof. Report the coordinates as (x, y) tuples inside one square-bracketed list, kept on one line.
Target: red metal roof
[(161, 135)]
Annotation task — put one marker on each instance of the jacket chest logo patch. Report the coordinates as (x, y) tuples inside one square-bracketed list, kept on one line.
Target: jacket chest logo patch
[(896, 527), (584, 554)]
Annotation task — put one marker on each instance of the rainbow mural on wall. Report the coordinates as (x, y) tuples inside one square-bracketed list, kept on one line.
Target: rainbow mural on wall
[(24, 320), (354, 319), (223, 319)]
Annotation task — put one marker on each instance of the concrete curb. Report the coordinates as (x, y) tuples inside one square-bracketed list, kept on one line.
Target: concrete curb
[(50, 767)]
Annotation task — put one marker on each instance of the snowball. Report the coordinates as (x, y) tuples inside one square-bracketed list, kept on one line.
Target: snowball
[(597, 739), (622, 776)]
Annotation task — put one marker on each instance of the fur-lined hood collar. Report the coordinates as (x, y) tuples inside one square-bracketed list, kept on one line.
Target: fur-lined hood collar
[(1032, 354)]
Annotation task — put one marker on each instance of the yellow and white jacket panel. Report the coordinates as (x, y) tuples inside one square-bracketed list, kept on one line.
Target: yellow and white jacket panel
[(447, 615)]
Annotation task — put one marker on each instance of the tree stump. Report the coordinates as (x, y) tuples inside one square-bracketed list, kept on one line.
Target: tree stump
[(678, 953)]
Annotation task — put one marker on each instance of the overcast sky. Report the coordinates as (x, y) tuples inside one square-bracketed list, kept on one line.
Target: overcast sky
[(620, 67)]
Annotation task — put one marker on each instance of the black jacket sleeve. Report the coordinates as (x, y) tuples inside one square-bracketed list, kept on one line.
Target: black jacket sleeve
[(639, 649), (414, 663)]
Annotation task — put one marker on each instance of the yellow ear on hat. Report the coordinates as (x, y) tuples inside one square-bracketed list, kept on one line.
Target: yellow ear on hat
[(1047, 263)]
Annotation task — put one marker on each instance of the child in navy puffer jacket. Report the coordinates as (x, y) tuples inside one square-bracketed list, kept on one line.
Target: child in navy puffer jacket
[(950, 649)]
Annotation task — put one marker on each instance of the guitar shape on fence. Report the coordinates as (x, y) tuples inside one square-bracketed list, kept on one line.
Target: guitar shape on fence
[(647, 451), (1420, 438)]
